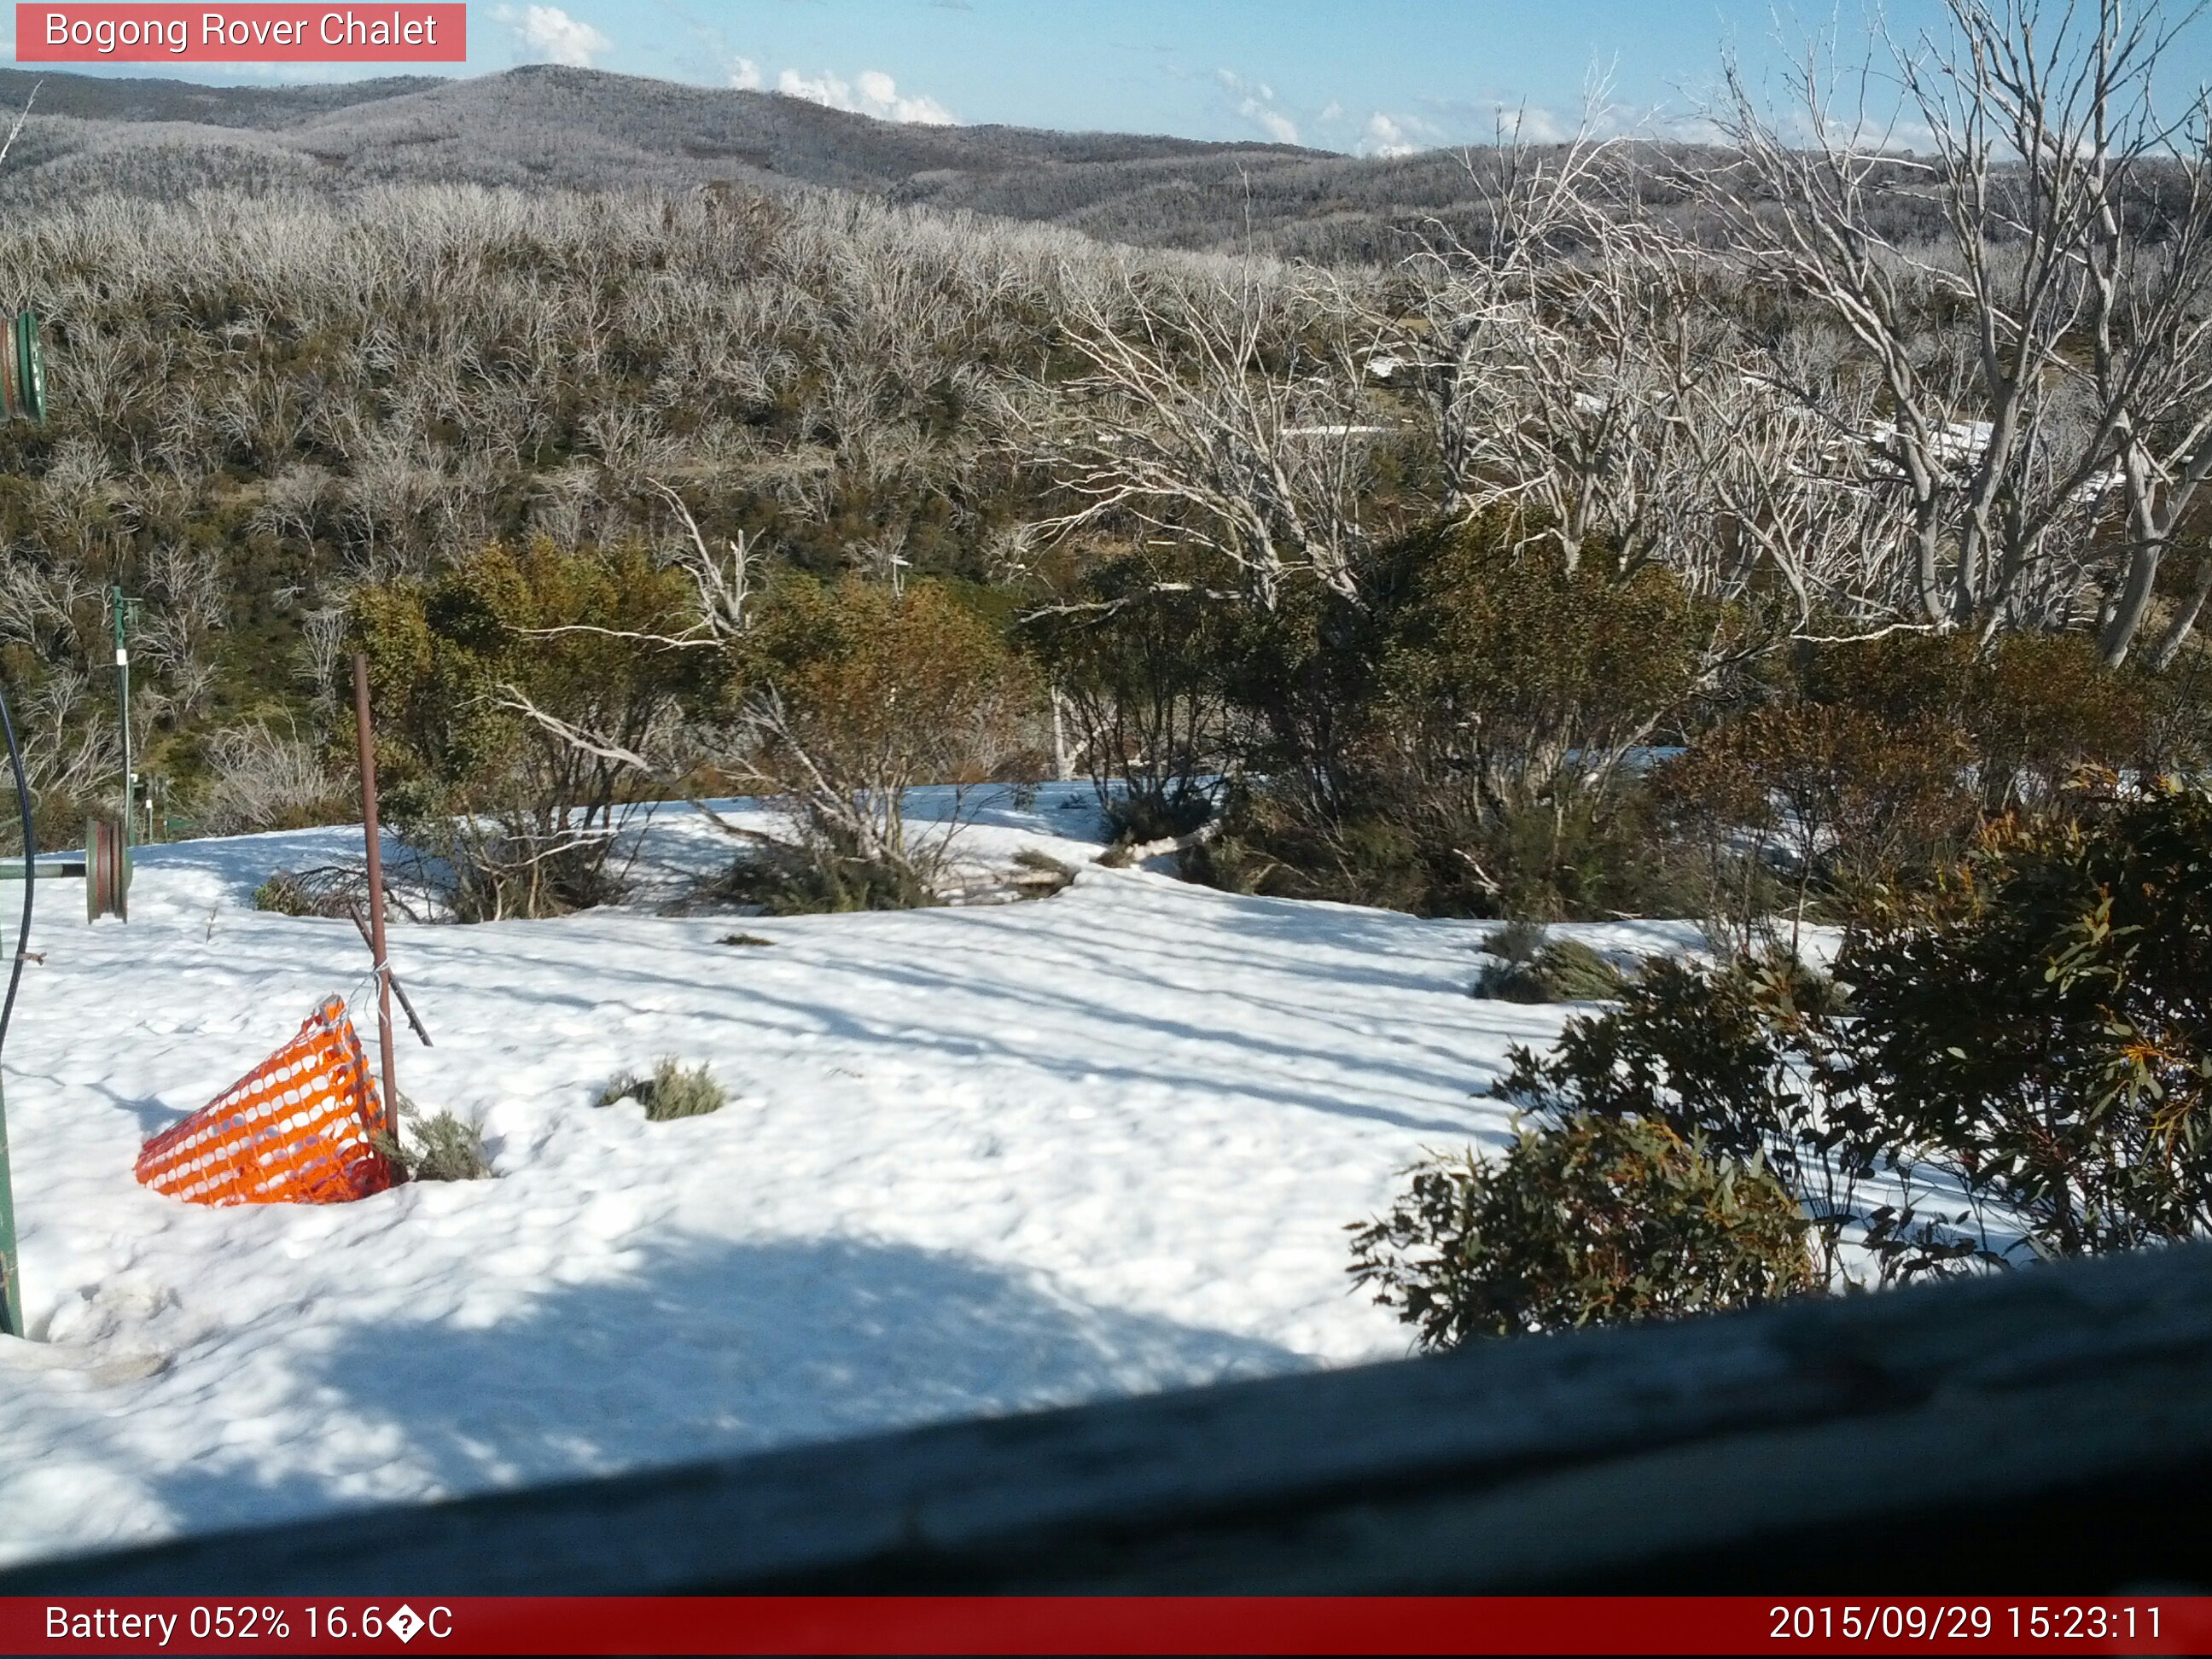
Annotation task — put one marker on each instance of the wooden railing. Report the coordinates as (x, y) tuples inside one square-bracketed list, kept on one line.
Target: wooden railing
[(2047, 1432)]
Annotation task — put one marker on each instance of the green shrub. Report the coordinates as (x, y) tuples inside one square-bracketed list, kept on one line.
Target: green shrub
[(1519, 677), (1532, 968), (2044, 1020), (1877, 759), (2029, 710), (281, 894), (1135, 651), (813, 877), (673, 1091), (1848, 797), (1594, 1220), (1750, 1060), (854, 692), (1432, 851), (2036, 1027), (435, 1146), (528, 821), (1453, 745)]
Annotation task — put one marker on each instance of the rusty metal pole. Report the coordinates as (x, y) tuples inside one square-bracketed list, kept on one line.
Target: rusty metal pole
[(369, 832)]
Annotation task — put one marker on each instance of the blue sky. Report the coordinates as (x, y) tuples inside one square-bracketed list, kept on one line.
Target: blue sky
[(1362, 76)]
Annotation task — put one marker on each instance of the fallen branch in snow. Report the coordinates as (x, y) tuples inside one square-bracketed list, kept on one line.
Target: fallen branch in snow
[(1120, 858), (1038, 875)]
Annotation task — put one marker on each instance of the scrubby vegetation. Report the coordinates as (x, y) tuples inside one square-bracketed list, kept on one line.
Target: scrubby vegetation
[(673, 1091), (274, 414), (2007, 1066), (618, 489), (476, 675), (1527, 966), (1779, 534), (436, 1147), (1591, 1220)]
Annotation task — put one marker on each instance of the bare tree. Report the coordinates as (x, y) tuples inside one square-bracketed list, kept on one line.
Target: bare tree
[(1229, 415), (321, 652), (265, 778), (1551, 352), (1589, 371), (2050, 343)]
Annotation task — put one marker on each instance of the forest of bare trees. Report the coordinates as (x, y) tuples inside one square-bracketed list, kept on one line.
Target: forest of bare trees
[(1604, 457)]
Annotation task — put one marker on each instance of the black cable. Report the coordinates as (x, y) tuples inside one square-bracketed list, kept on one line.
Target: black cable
[(30, 862)]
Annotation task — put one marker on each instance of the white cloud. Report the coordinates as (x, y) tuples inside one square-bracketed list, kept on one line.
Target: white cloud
[(1490, 120), (1531, 124), (553, 36), (1385, 138), (872, 92), (745, 74), (1256, 102)]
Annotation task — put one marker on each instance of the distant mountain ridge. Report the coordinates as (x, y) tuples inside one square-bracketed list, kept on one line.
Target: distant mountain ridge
[(545, 126)]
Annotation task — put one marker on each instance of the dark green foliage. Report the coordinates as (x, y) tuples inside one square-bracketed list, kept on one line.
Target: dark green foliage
[(814, 879), (1506, 662), (529, 822), (1531, 967), (1135, 652), (1590, 1220), (1749, 1060), (673, 1091), (2034, 1027), (1453, 746), (1593, 853), (2045, 1020)]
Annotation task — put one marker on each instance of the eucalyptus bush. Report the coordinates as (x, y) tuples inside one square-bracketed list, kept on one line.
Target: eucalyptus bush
[(1590, 1219), (480, 674)]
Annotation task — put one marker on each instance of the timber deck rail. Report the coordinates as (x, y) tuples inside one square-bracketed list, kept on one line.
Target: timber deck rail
[(2047, 1432)]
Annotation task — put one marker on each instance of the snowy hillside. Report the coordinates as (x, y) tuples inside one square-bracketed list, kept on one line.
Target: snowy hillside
[(974, 1160)]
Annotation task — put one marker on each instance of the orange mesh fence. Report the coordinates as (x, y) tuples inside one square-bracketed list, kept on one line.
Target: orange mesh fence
[(293, 1130)]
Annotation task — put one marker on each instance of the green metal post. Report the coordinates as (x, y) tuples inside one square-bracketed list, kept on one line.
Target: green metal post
[(11, 1277)]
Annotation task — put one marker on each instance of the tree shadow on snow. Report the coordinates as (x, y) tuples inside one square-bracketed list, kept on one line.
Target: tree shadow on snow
[(704, 1348)]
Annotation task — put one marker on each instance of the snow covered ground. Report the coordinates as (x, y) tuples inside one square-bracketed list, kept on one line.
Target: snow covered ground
[(974, 1160)]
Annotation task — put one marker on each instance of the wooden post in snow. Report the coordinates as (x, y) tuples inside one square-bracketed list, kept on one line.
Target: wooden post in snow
[(369, 832)]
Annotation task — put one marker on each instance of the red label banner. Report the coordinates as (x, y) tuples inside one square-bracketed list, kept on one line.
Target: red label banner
[(418, 1623), (287, 33)]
